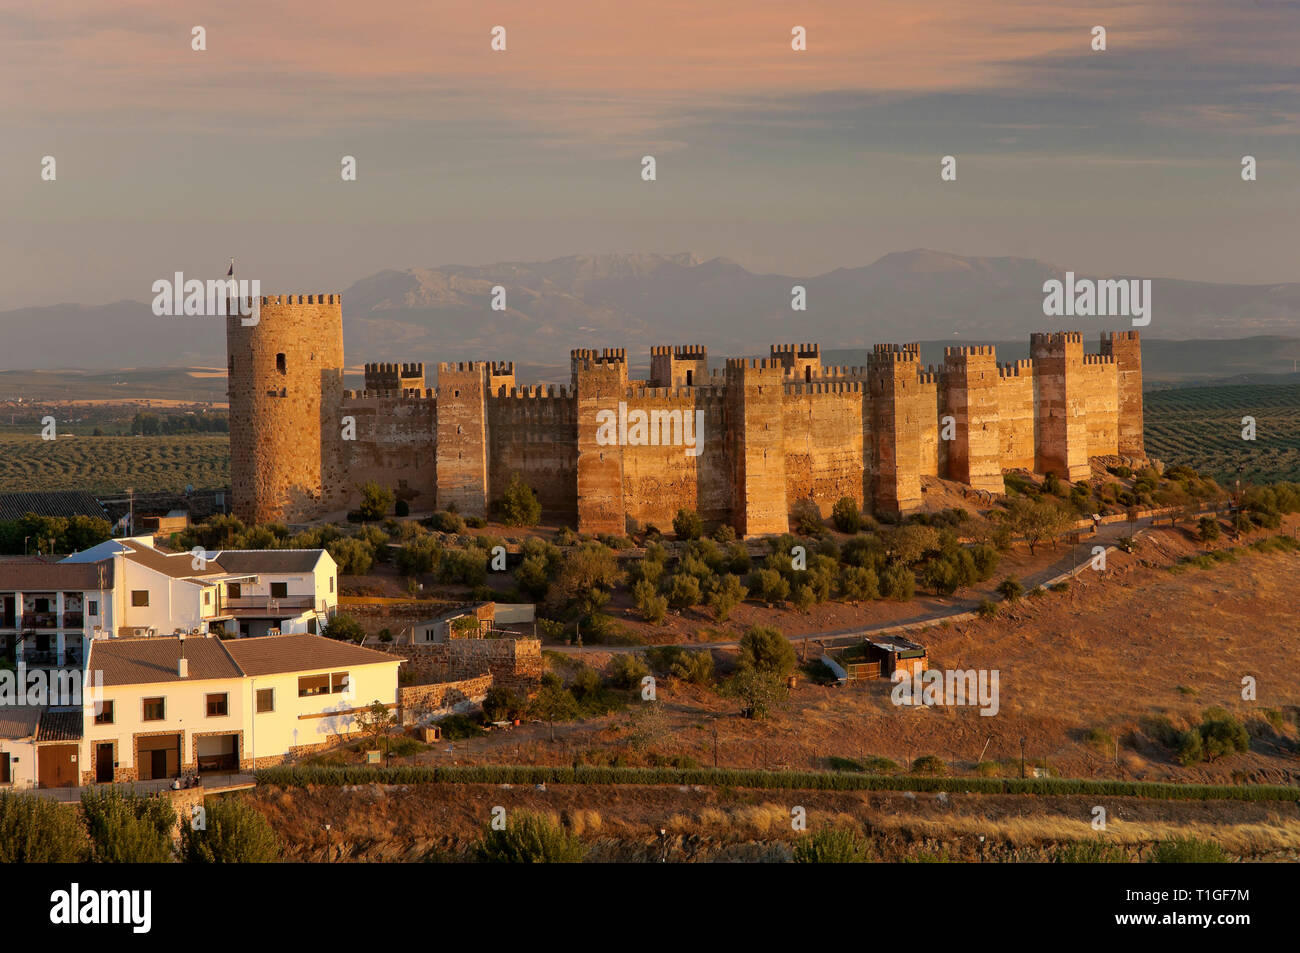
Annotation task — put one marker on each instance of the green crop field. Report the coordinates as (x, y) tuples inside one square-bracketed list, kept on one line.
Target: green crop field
[(1201, 427), (111, 464)]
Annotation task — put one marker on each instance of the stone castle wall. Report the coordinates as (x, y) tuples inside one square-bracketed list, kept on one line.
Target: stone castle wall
[(775, 431)]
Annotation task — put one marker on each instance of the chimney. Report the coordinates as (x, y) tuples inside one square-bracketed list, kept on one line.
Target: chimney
[(183, 667)]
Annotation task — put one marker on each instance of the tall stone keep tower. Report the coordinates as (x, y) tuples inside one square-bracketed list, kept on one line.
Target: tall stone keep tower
[(1062, 420), (285, 385), (1126, 348)]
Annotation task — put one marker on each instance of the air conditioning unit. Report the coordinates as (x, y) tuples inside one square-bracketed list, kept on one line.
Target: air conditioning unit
[(140, 631)]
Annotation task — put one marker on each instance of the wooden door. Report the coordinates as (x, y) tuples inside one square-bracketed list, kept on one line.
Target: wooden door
[(57, 766)]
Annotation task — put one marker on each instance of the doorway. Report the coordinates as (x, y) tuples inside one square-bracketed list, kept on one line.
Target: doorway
[(104, 763)]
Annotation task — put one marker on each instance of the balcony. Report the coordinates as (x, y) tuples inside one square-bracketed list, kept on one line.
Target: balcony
[(291, 605), (74, 620), (40, 620)]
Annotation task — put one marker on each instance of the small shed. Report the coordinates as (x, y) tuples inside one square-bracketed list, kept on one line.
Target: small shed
[(894, 652)]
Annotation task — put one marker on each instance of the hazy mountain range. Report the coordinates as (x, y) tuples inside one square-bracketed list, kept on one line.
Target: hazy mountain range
[(637, 300)]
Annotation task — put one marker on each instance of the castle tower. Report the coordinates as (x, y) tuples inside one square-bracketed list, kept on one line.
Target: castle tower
[(285, 387), (757, 451), (501, 374), (599, 384), (897, 415), (398, 378), (1060, 399), (461, 461), (683, 366), (971, 382), (1126, 348), (800, 361)]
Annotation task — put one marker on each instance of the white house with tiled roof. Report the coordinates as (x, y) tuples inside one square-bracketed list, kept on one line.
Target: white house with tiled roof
[(170, 705)]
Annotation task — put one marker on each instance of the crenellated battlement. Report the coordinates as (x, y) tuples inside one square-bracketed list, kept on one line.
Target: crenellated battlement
[(776, 429), (797, 350), (301, 299)]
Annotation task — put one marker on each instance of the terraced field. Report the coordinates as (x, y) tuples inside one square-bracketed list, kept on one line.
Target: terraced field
[(114, 463), (1201, 427)]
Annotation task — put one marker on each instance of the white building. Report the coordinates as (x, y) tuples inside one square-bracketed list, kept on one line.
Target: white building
[(171, 706)]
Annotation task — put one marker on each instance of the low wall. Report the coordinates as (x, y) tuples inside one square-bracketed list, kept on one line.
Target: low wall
[(423, 703)]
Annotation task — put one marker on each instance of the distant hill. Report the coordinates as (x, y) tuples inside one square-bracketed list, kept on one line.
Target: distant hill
[(638, 300)]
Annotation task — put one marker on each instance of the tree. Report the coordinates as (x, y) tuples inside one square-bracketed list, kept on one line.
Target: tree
[(553, 703), (344, 628), (1207, 529), (519, 504), (233, 833), (354, 556), (729, 594), (375, 501), (807, 518), (375, 722), (1038, 520), (766, 650), (846, 515), (687, 524), (758, 691)]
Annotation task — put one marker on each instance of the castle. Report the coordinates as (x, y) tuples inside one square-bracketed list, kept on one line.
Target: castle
[(774, 431)]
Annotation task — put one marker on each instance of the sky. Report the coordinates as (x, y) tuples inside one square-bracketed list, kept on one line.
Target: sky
[(1126, 161)]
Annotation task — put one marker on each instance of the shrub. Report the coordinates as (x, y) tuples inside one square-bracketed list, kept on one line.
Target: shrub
[(1221, 735), (627, 670), (846, 515), (1010, 589), (807, 518), (694, 667), (859, 584), (234, 833), (501, 704), (770, 585), (354, 556), (36, 830), (375, 501), (519, 505), (533, 576), (831, 845), (529, 838), (344, 628), (987, 609), (1187, 850), (652, 606), (803, 598), (729, 594), (898, 583), (1190, 748), (687, 524), (128, 829), (929, 764), (683, 591), (1207, 529), (764, 649), (1090, 852)]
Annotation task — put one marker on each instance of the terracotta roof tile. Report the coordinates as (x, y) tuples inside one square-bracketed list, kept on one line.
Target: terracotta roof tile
[(272, 654), (150, 660)]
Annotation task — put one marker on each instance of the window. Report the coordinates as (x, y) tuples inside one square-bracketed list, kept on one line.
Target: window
[(233, 590), (105, 716), (331, 583), (340, 682), (279, 590), (280, 363), (218, 705), (139, 597), (92, 607), (42, 605), (309, 685), (155, 709), (265, 700), (6, 776), (207, 597)]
